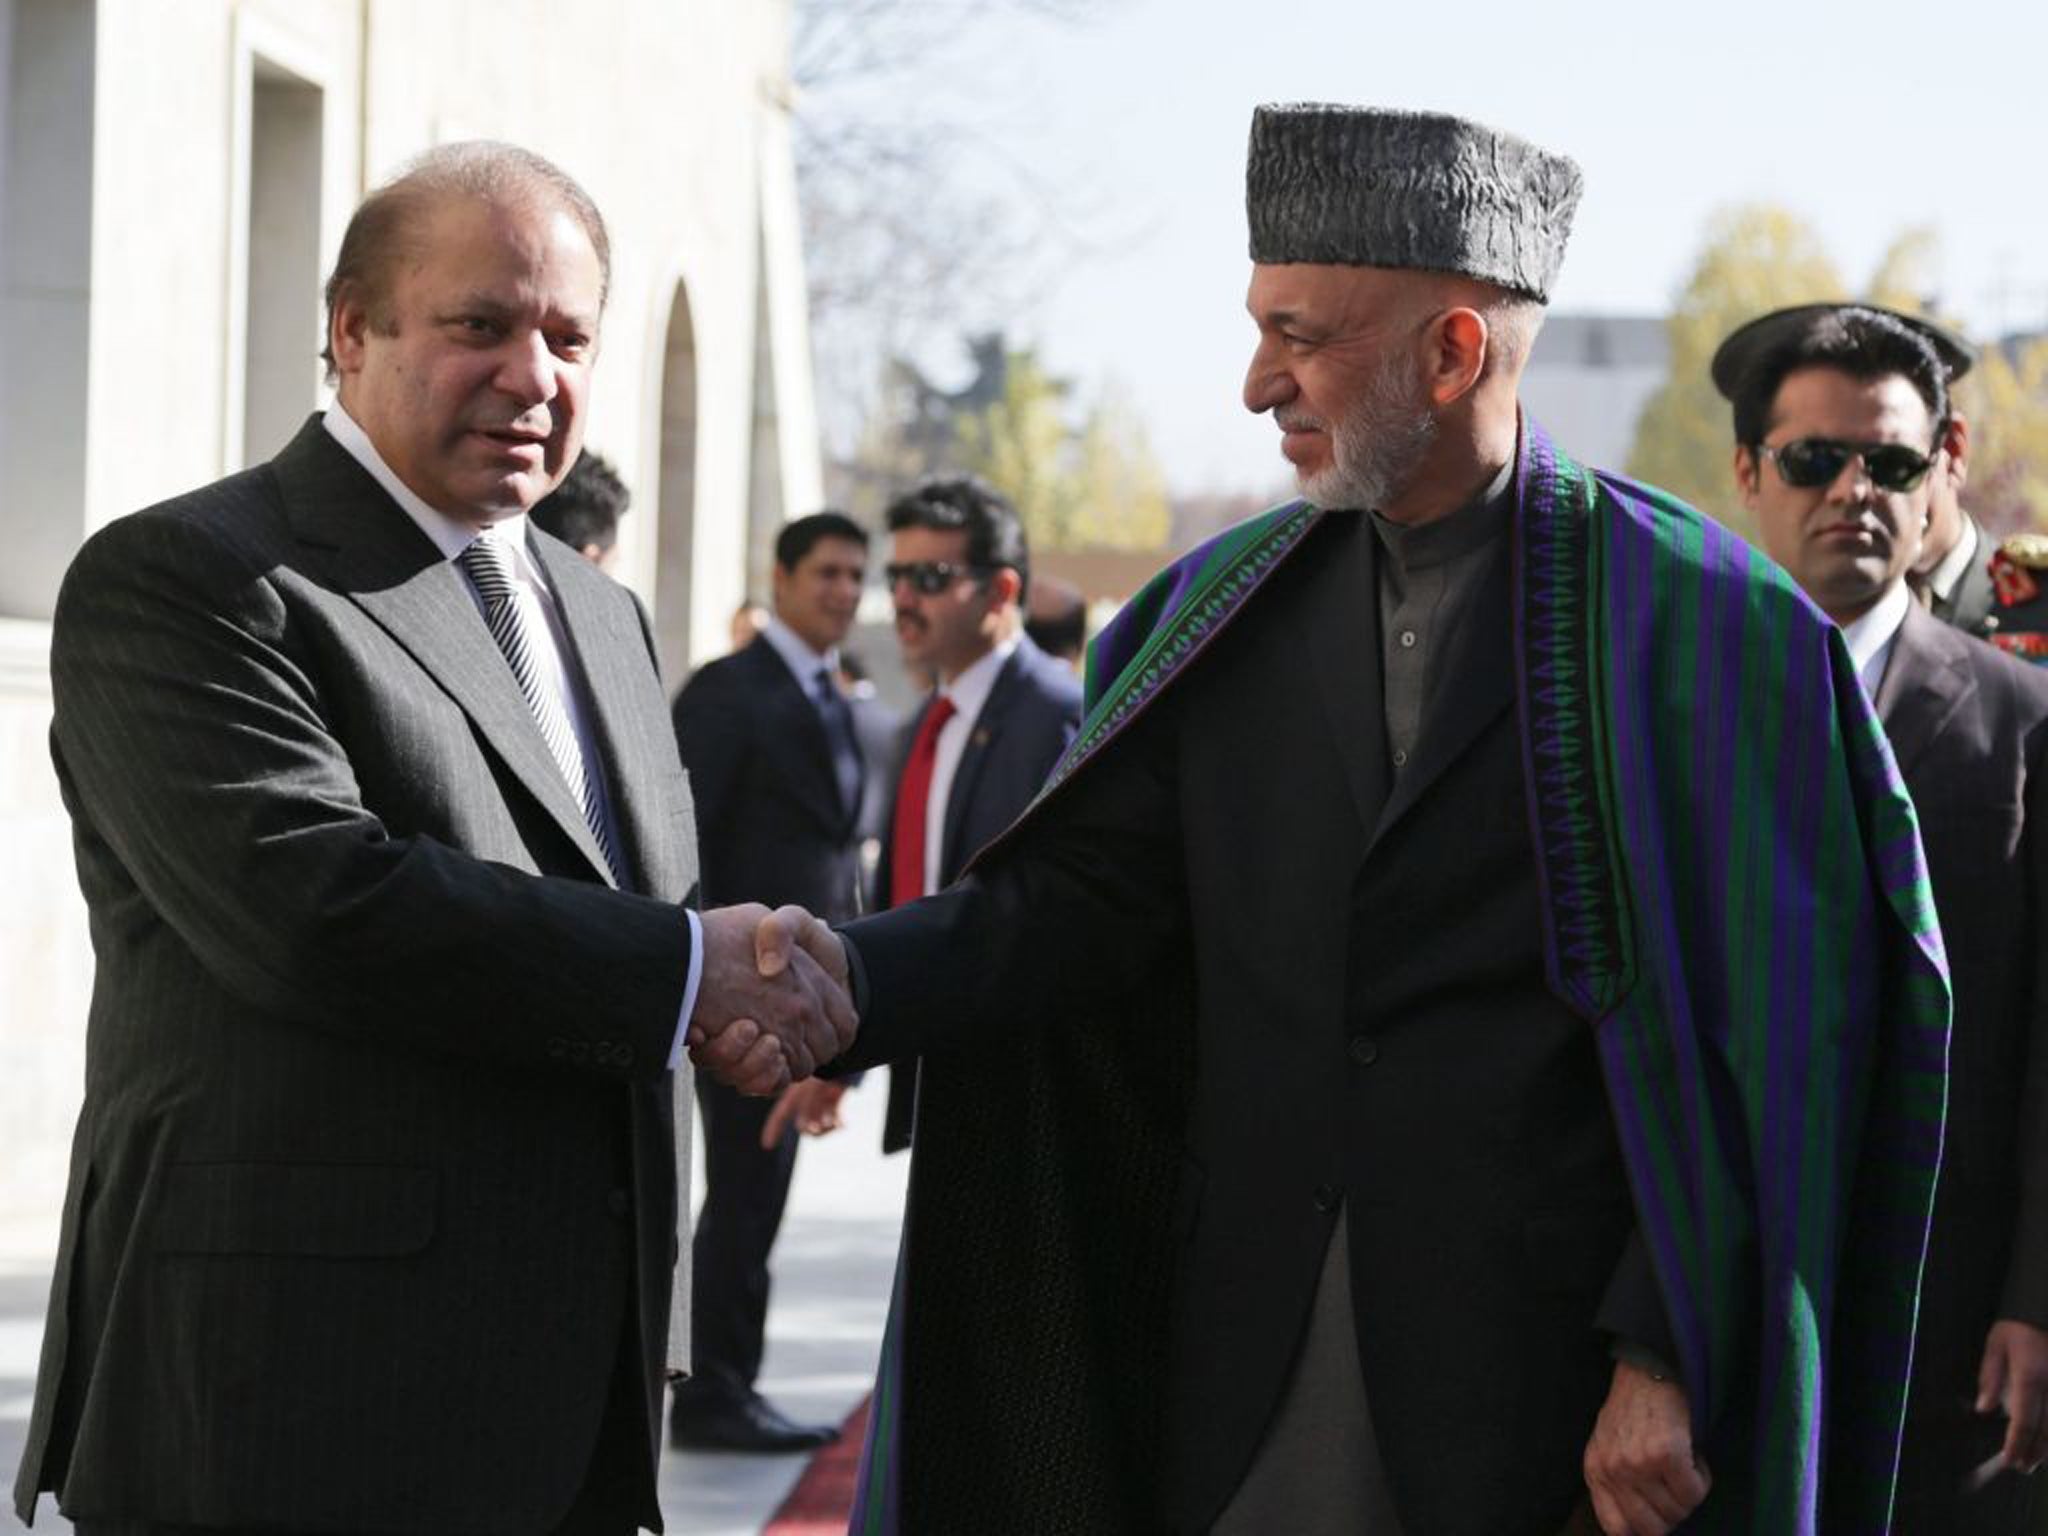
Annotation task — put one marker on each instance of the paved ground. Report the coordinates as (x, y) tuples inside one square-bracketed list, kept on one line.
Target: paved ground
[(832, 1272)]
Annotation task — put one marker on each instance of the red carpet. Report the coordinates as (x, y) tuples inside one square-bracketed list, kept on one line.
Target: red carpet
[(823, 1497)]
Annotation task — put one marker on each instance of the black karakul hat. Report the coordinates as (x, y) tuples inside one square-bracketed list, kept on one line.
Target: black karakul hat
[(1373, 187), (1765, 334)]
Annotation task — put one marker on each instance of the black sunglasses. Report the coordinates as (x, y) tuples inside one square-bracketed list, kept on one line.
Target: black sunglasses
[(1808, 462), (931, 577)]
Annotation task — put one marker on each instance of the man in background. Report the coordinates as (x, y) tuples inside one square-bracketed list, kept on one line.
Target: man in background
[(1841, 436), (773, 751), (584, 510), (959, 574), (1056, 619)]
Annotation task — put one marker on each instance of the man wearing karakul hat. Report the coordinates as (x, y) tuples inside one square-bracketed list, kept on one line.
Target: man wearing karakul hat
[(1460, 1035)]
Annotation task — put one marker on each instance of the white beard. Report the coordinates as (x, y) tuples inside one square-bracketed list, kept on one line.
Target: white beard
[(1376, 448)]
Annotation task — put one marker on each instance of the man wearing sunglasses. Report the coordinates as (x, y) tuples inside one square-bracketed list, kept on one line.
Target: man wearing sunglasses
[(1840, 426), (999, 716)]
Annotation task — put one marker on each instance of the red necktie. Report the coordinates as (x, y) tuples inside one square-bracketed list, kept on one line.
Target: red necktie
[(906, 843)]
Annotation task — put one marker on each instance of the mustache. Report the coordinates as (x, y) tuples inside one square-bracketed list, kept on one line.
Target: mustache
[(1298, 421)]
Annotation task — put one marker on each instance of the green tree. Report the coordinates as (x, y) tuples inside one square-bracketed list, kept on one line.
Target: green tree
[(2005, 398), (1091, 482), (1120, 489), (1757, 258), (1905, 275), (1020, 443)]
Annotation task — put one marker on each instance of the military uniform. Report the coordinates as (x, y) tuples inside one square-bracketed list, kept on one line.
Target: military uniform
[(2019, 608)]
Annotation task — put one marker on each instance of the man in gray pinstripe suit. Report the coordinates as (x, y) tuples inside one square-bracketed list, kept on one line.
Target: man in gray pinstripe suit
[(377, 811)]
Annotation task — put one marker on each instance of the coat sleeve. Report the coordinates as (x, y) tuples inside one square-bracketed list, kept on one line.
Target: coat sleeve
[(714, 736), (1076, 903), (2026, 1284), (200, 768)]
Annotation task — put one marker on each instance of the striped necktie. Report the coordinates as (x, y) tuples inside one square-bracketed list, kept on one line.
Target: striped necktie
[(488, 565)]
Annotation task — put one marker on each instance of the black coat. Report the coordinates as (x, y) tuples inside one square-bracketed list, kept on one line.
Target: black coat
[(375, 1163), (1969, 727), (775, 827), (1025, 725), (1342, 978), (1969, 603)]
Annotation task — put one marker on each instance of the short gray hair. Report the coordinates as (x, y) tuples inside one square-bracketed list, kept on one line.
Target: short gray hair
[(384, 226)]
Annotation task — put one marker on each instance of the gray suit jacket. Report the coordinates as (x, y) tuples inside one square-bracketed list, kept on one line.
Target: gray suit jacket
[(375, 1168)]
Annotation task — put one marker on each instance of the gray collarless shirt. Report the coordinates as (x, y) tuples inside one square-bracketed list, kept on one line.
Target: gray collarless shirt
[(1427, 576)]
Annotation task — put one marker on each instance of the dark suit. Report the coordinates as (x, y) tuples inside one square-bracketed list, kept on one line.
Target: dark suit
[(1372, 1031), (372, 1205), (1969, 727), (1025, 724), (776, 830), (1970, 601)]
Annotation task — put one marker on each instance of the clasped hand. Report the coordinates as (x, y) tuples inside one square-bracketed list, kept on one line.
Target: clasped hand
[(773, 1002)]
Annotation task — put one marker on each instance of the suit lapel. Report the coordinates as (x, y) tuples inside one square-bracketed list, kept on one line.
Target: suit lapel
[(611, 649), (390, 569), (1926, 680), (1470, 683), (980, 741), (798, 724), (1341, 651)]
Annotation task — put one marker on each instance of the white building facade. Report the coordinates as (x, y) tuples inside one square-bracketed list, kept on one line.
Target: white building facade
[(174, 180)]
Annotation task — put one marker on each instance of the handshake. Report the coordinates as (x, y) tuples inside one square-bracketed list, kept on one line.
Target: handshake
[(774, 1002)]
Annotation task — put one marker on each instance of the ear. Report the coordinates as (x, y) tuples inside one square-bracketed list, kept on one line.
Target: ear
[(347, 331), (1004, 588), (1747, 471), (1457, 340), (1956, 443)]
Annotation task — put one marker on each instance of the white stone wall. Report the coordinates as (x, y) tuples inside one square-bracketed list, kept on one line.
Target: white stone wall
[(672, 112)]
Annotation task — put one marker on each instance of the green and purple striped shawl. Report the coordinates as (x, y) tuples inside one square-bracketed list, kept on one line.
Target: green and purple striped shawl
[(1736, 902)]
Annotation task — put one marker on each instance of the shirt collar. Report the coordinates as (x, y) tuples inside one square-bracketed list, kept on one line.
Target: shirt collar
[(970, 690), (448, 535), (1941, 581), (796, 652), (1473, 526), (1871, 635)]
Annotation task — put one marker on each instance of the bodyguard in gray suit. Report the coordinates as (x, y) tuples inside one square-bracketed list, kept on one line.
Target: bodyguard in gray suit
[(372, 1212)]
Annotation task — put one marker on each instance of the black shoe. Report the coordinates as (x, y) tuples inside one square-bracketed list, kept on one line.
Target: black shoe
[(752, 1425)]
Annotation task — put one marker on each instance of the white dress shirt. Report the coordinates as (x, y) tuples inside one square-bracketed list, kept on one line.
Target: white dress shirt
[(547, 639), (1941, 581), (1870, 637), (969, 693), (798, 656)]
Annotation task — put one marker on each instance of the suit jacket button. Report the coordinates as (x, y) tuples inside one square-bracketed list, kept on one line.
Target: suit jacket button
[(557, 1047), (1364, 1050), (618, 1203), (579, 1051), (622, 1055), (1326, 1197)]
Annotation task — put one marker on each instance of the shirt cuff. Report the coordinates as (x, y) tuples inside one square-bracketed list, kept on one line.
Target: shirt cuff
[(675, 1051)]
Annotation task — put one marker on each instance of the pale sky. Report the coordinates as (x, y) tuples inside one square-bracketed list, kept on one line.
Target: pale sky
[(1865, 120)]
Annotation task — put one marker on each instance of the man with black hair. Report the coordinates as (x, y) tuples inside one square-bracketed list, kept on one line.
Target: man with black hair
[(1056, 619), (584, 510), (772, 747), (971, 759), (1841, 427)]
